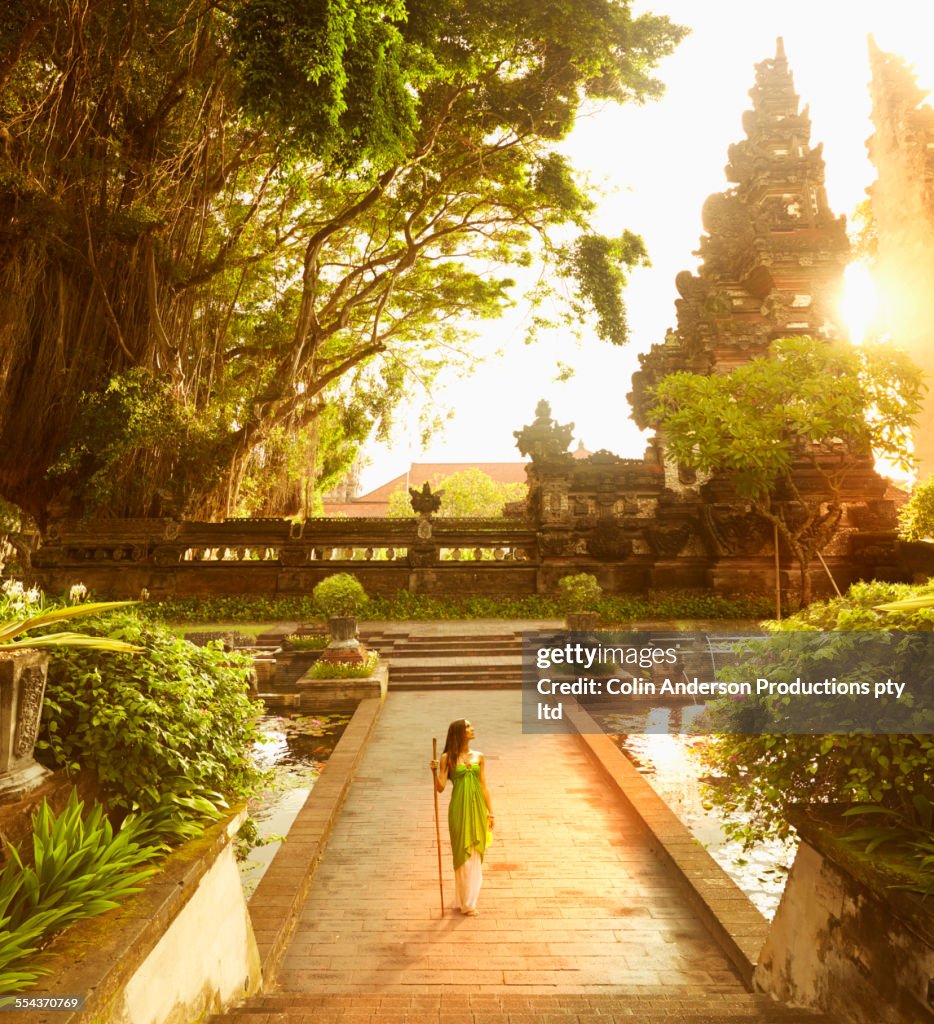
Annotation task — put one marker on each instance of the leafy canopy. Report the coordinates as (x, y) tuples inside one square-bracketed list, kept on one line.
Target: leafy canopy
[(756, 421), (259, 224), (823, 406)]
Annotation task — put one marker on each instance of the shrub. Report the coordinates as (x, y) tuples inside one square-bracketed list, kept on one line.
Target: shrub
[(340, 595), (916, 517), (581, 592), (145, 724), (406, 606), (764, 776)]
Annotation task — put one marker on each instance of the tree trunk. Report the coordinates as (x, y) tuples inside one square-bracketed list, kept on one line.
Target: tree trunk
[(804, 563)]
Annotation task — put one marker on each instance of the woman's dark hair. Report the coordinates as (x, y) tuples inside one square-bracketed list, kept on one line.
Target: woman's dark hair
[(456, 742)]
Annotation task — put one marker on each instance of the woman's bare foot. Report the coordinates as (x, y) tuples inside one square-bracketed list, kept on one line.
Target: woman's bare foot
[(472, 912)]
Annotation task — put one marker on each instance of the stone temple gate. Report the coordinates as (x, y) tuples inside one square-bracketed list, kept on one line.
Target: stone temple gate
[(772, 262)]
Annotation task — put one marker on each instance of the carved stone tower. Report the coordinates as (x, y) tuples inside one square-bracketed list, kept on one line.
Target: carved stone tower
[(773, 256)]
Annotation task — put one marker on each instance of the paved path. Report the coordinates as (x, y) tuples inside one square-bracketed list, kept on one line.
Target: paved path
[(573, 901)]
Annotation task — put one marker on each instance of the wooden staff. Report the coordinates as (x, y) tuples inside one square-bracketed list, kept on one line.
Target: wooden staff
[(434, 757)]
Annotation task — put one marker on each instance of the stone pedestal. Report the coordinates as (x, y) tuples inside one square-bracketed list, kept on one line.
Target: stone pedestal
[(582, 622), (22, 687), (344, 646)]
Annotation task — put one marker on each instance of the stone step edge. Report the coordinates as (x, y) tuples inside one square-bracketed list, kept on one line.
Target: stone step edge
[(565, 1004)]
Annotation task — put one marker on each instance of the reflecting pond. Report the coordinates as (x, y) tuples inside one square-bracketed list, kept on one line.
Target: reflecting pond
[(294, 749)]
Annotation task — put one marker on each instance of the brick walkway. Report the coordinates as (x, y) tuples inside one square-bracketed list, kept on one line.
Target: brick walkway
[(573, 901)]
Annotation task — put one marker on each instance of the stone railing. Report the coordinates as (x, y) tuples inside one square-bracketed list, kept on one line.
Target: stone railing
[(166, 556)]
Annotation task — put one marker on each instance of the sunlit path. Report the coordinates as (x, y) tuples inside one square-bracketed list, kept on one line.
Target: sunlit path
[(572, 900)]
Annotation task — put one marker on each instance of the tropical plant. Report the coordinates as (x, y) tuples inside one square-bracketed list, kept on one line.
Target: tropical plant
[(340, 595), (824, 405), (916, 516), (580, 592), (174, 712), (761, 778), (18, 627), (297, 642), (79, 868), (180, 814), (911, 833)]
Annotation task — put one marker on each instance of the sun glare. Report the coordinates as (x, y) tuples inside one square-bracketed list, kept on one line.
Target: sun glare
[(859, 304)]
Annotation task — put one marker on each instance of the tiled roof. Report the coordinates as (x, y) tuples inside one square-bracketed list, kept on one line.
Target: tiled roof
[(376, 502)]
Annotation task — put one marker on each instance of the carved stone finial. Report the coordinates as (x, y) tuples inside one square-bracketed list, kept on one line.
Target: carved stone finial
[(423, 501), (544, 438)]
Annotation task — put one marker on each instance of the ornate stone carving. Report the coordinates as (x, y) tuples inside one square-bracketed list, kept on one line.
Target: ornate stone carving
[(166, 555), (668, 540), (424, 502), (32, 686), (736, 531), (608, 541), (544, 438)]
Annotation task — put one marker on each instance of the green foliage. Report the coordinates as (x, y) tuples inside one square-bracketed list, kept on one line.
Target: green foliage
[(580, 592), (142, 723), (180, 814), (28, 621), (79, 868), (307, 643), (116, 422), (328, 77), (911, 832), (340, 595), (598, 264), (281, 208), (344, 669), (765, 776), (468, 494), (916, 516), (827, 403), (406, 606)]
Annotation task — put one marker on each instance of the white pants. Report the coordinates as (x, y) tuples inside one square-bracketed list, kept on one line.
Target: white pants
[(467, 881)]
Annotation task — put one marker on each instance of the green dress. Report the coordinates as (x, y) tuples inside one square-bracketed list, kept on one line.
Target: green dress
[(467, 814)]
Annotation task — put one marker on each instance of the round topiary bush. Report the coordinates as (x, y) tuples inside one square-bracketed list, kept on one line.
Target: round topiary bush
[(172, 716), (339, 596), (580, 592)]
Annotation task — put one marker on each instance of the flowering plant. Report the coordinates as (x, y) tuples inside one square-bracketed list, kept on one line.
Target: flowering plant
[(25, 610)]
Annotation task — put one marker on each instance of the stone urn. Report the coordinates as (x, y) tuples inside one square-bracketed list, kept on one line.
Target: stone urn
[(582, 622), (22, 687), (345, 646)]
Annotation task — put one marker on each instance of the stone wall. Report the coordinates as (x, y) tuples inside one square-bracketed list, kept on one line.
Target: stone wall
[(157, 959), (840, 945)]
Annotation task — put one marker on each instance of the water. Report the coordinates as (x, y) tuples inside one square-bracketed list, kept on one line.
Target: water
[(670, 762), (295, 749)]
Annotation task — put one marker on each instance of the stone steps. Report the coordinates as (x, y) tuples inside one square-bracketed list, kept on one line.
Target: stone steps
[(667, 1006), (467, 662)]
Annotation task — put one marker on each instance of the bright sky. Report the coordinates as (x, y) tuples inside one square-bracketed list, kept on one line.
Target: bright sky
[(656, 165)]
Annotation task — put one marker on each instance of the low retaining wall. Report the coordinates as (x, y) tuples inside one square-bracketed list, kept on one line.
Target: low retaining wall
[(838, 944), (159, 959), (280, 895)]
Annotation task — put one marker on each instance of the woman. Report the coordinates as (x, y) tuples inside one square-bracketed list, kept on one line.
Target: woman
[(470, 817)]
